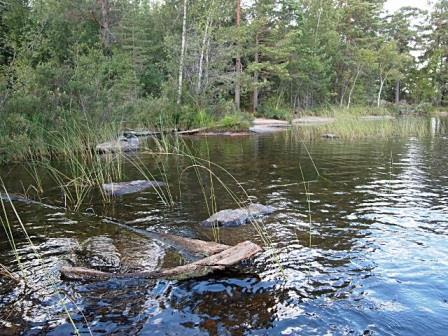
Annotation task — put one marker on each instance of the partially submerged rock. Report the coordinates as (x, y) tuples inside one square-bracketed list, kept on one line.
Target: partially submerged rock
[(329, 136), (100, 252), (266, 129), (237, 217), (122, 144), (123, 188), (270, 122), (263, 125)]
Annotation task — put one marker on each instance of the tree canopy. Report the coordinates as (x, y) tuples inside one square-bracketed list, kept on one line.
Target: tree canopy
[(123, 60)]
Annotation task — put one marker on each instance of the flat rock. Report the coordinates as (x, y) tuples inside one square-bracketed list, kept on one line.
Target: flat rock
[(99, 252), (123, 188), (122, 144), (266, 129), (237, 217), (263, 125), (270, 122)]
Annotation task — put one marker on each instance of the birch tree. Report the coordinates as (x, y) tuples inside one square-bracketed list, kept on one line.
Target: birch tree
[(389, 62), (182, 53)]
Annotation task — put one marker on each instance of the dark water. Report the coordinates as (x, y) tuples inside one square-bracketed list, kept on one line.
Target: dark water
[(373, 261)]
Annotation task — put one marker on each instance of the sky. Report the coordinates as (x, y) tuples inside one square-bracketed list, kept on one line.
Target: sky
[(393, 5)]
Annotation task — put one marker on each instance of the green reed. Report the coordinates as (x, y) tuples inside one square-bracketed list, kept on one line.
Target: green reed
[(350, 128)]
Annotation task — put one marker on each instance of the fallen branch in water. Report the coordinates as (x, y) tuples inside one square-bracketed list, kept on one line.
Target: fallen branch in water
[(192, 131), (229, 257), (194, 246)]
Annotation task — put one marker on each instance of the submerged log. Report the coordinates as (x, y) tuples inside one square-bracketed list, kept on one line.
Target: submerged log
[(202, 267), (185, 245), (141, 133), (148, 133), (192, 131), (194, 246), (22, 199)]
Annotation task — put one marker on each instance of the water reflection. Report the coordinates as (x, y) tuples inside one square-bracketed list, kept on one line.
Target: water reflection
[(372, 258)]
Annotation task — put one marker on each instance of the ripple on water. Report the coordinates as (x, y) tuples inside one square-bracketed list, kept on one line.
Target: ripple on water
[(363, 251)]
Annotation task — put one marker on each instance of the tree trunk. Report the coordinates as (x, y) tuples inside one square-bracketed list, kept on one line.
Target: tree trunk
[(238, 61), (343, 91), (378, 103), (397, 92), (105, 24), (255, 93), (182, 54), (201, 57), (353, 87)]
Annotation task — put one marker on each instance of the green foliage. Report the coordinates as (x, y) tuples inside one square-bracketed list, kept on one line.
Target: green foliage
[(236, 122), (274, 110), (297, 56)]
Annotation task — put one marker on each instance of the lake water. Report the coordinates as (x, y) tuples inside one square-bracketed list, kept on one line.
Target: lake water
[(360, 249)]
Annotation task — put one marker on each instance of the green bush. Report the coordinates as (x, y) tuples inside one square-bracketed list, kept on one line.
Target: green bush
[(424, 108), (236, 121), (273, 110)]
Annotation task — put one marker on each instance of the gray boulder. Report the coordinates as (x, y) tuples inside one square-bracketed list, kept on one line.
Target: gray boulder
[(100, 252), (266, 129), (330, 136), (123, 188), (237, 217), (122, 144)]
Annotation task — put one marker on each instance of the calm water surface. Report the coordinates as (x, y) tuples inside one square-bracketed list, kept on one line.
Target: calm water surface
[(373, 259)]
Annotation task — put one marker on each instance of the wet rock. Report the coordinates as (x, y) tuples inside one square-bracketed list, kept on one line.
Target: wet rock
[(263, 125), (329, 136), (237, 217), (123, 188), (266, 129), (122, 144), (100, 253), (270, 122)]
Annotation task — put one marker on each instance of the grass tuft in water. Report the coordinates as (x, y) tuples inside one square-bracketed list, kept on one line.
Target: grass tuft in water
[(350, 128)]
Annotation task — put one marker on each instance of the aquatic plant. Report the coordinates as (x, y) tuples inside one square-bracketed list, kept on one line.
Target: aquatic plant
[(350, 128), (23, 276)]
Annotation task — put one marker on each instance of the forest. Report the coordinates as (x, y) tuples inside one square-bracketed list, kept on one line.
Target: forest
[(217, 167), (200, 62)]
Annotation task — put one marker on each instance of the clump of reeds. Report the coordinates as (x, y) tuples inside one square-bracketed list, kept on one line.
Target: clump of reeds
[(350, 128)]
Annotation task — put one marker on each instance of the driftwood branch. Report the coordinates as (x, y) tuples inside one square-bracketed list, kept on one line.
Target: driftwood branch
[(194, 246), (192, 131), (219, 257), (219, 261)]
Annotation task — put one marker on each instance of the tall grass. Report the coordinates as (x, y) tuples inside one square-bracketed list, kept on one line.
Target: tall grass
[(9, 229), (350, 128)]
